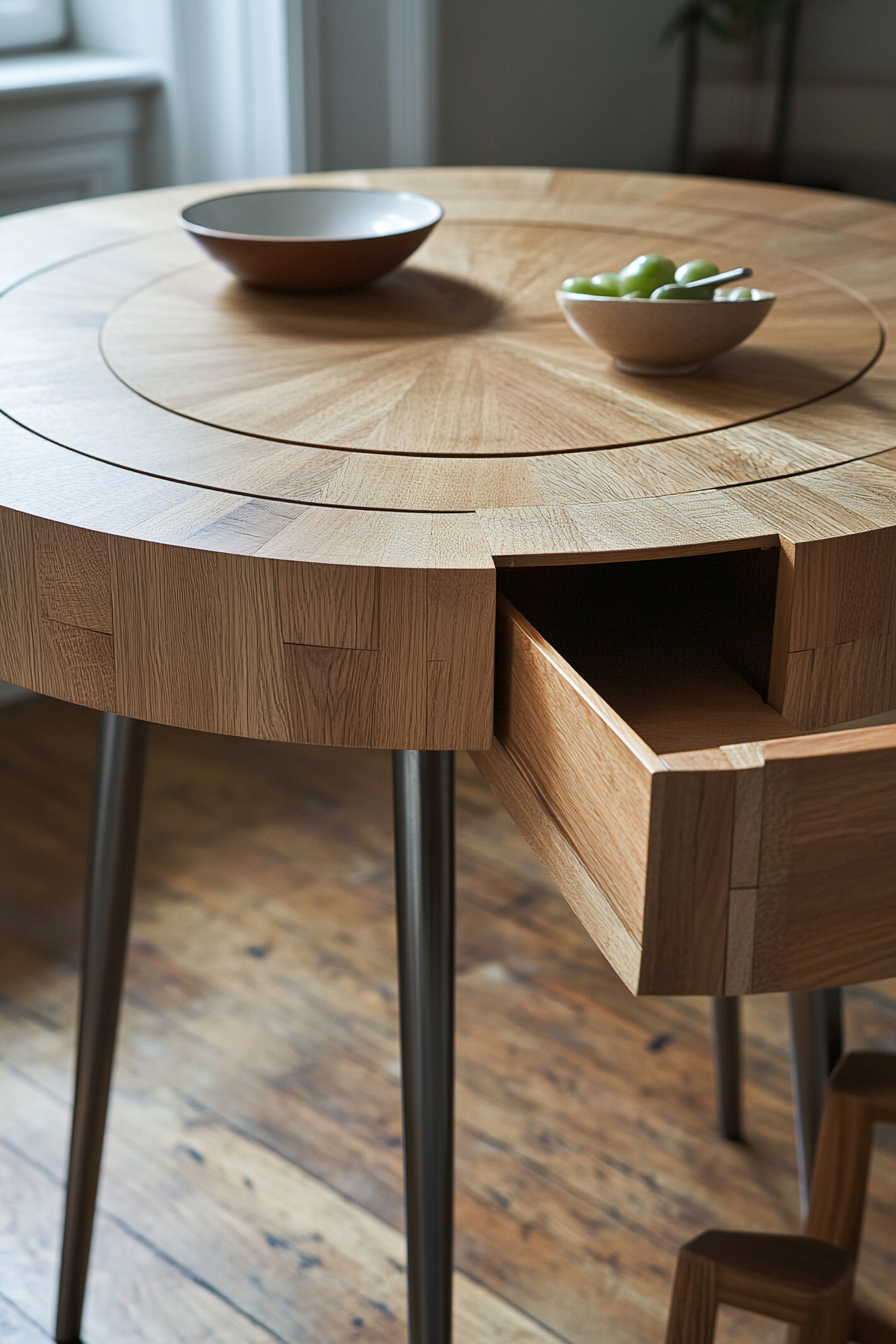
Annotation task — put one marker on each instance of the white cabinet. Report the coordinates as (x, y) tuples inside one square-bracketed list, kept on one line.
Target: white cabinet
[(32, 23), (74, 124)]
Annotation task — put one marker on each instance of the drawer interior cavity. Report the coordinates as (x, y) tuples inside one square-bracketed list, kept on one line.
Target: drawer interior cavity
[(680, 648)]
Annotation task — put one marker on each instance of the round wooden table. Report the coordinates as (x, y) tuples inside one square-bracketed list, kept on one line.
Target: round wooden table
[(294, 518)]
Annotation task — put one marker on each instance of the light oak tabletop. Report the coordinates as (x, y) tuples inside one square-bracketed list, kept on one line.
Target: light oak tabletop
[(425, 516), (204, 451), (289, 517)]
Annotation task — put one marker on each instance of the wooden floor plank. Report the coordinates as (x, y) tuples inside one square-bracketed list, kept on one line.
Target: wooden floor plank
[(136, 1293), (259, 1044), (16, 1328), (277, 1245)]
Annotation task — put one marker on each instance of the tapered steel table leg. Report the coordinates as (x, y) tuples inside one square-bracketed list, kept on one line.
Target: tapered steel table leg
[(424, 869), (726, 1045), (816, 1025), (110, 877)]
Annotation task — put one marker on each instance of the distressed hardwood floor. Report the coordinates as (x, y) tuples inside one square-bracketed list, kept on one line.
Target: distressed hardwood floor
[(252, 1183)]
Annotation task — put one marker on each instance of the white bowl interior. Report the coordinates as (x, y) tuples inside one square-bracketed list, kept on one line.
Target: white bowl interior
[(314, 212)]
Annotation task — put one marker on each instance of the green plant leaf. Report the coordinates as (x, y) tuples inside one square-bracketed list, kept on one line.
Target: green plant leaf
[(738, 22)]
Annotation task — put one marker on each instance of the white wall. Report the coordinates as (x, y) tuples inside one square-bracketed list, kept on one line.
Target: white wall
[(225, 113), (134, 28), (581, 83), (232, 90), (260, 87), (571, 83), (849, 39), (352, 56), (127, 27), (844, 107), (369, 75), (585, 83)]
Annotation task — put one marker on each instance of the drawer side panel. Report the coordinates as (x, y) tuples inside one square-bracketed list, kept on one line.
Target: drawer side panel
[(551, 846), (574, 752)]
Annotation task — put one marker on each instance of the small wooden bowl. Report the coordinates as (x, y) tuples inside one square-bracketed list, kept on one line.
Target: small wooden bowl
[(663, 337), (311, 238)]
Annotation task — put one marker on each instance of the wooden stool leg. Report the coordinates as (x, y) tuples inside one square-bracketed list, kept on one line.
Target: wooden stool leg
[(798, 1280), (837, 1204), (726, 1047), (692, 1315), (830, 1323), (861, 1093)]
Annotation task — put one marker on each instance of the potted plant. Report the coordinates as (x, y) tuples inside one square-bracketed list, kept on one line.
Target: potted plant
[(748, 25)]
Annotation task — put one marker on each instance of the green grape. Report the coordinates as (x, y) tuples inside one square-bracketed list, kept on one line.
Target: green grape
[(580, 284), (606, 283), (645, 274), (678, 292), (695, 270)]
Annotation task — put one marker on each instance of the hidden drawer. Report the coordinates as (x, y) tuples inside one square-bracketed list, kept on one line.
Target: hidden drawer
[(706, 844)]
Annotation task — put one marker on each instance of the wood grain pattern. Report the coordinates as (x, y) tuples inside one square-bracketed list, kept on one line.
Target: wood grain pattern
[(688, 881), (840, 682), (298, 537), (802, 1280), (828, 848), (256, 1096), (834, 641), (324, 474), (67, 653), (560, 858), (19, 660), (73, 576), (334, 694), (728, 868), (655, 843), (593, 772), (336, 606), (861, 1094), (197, 640), (463, 351), (460, 632), (746, 855), (746, 839), (741, 940)]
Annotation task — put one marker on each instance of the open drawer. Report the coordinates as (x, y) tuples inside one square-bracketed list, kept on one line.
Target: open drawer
[(706, 845)]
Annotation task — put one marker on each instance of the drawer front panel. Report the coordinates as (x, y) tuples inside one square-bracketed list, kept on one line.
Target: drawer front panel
[(826, 903), (687, 898), (745, 868), (641, 851)]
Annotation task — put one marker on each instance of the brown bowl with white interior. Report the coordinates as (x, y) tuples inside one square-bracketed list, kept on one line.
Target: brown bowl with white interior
[(311, 238)]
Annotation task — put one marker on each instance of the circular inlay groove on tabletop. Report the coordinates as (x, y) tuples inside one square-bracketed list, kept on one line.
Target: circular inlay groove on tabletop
[(463, 352)]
